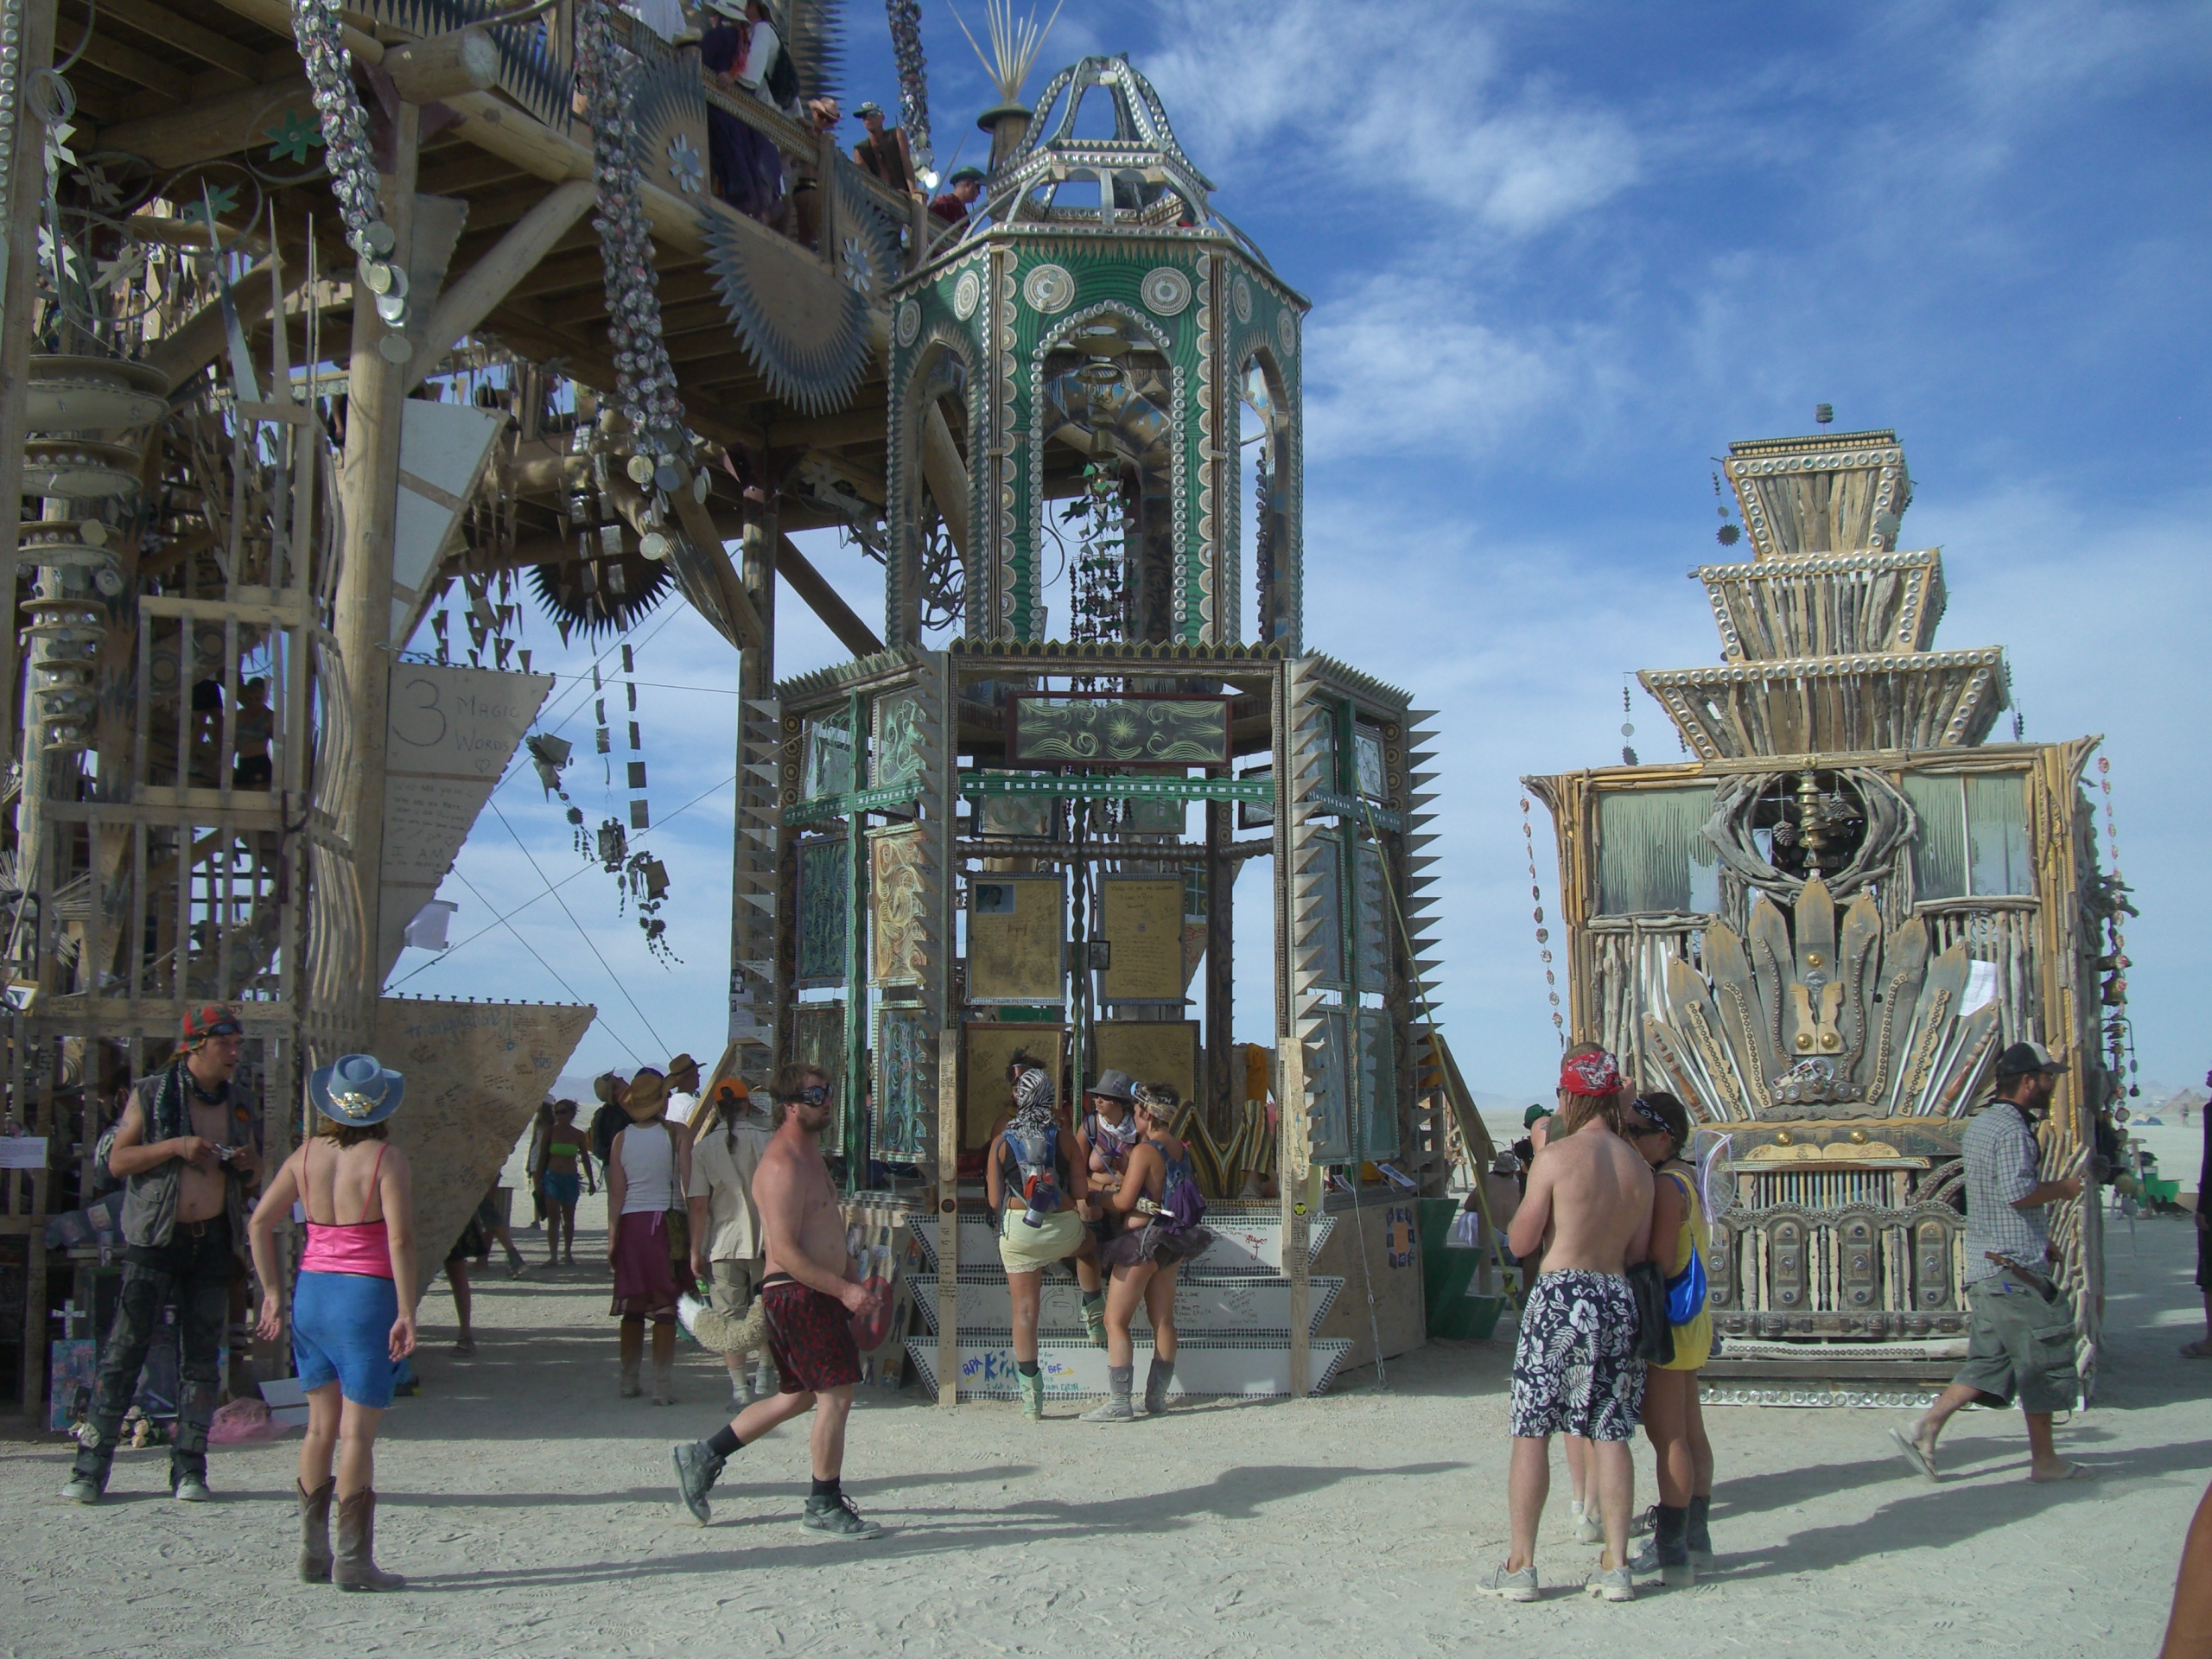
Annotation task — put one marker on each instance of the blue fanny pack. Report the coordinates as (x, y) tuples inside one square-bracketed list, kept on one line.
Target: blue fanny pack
[(1686, 1291)]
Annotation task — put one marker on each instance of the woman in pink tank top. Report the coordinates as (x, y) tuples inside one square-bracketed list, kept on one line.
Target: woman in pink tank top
[(352, 1312)]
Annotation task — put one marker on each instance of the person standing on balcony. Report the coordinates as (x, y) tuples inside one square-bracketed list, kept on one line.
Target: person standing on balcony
[(884, 152), (738, 54)]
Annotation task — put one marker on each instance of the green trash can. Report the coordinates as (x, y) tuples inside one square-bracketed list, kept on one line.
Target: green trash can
[(1448, 1274)]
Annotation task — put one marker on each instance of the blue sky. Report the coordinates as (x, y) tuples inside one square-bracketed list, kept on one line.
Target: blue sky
[(1559, 256)]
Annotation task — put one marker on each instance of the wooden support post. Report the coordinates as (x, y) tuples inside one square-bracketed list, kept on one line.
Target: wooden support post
[(465, 305), (370, 481), (26, 187), (1225, 1098), (811, 585), (1299, 1196), (948, 1211)]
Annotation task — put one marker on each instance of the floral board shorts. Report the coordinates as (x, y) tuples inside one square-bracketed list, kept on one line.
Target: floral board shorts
[(1574, 1368), (809, 1337)]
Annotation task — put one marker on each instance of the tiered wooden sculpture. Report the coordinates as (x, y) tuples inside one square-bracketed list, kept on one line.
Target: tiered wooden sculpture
[(981, 847), (1820, 932)]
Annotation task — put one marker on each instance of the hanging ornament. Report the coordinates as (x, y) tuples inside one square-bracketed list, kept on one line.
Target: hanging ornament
[(906, 17), (1628, 726), (1544, 933)]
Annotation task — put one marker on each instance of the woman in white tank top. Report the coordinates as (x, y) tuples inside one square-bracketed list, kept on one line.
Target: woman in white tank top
[(647, 1167)]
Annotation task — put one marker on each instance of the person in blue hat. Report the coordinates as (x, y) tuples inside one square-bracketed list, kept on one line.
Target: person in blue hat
[(352, 1307)]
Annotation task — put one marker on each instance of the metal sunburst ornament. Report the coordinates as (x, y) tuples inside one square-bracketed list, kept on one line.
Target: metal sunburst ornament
[(685, 164)]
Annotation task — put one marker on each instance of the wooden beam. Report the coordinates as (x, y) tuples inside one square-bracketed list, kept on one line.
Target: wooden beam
[(105, 52), (947, 476), (239, 63), (212, 128), (468, 302), (701, 530), (460, 60), (825, 601), (830, 431), (463, 168)]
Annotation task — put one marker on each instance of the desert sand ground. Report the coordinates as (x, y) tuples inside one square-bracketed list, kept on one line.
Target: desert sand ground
[(534, 1513)]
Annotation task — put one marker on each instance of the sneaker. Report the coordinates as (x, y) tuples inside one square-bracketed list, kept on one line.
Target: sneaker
[(192, 1488), (696, 1470), (1587, 1528), (1513, 1586), (837, 1517), (1614, 1584), (1644, 1564), (81, 1489), (1113, 1411)]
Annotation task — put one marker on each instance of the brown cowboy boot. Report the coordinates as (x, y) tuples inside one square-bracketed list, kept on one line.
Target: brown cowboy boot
[(314, 1532), (355, 1567)]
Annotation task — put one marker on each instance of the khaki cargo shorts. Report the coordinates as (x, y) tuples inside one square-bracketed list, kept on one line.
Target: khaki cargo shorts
[(731, 1291), (2021, 1343)]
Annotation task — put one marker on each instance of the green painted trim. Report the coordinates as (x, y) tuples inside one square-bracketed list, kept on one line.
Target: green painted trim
[(823, 808), (1096, 787)]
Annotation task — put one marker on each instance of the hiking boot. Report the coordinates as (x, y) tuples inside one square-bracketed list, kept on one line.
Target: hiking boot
[(1513, 1586), (627, 1388), (1614, 1584), (314, 1532), (1033, 1395), (1157, 1380), (1094, 1320), (1669, 1553), (1587, 1528), (697, 1469), (191, 1488), (1116, 1408), (837, 1517), (81, 1488), (354, 1566), (1698, 1535)]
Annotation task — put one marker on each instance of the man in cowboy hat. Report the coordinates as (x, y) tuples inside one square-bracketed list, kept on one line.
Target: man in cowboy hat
[(683, 1089), (184, 1153), (884, 152)]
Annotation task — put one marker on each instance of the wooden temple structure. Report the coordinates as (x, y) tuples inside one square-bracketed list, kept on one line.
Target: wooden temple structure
[(1820, 929), (322, 321)]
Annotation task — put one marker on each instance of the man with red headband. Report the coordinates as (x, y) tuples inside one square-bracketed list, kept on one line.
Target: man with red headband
[(1588, 1210), (184, 1151)]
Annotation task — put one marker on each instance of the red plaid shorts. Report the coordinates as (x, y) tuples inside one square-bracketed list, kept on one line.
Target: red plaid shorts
[(809, 1337)]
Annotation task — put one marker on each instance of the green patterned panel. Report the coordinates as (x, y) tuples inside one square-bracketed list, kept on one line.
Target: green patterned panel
[(828, 764), (1329, 913), (822, 879), (900, 737), (1378, 1086), (1331, 1128), (1371, 921), (906, 1084), (1120, 731), (1105, 276)]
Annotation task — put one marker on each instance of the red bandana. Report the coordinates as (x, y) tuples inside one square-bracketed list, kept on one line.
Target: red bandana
[(1589, 1074)]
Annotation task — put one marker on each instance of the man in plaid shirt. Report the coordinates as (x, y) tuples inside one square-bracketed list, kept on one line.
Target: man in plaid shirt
[(2020, 1337)]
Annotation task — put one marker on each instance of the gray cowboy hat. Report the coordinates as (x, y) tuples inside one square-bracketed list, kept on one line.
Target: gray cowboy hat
[(355, 1090), (1114, 1086)]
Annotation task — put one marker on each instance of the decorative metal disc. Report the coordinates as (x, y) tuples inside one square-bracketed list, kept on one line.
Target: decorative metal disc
[(1049, 289), (967, 294), (1287, 331), (910, 322), (1167, 291), (1241, 296)]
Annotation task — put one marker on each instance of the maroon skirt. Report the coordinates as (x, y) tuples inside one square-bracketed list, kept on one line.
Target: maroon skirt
[(643, 1280)]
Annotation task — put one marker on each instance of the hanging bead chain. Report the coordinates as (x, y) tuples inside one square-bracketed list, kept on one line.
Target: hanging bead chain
[(2119, 1030), (346, 152), (1628, 725), (645, 389), (913, 83), (1544, 933)]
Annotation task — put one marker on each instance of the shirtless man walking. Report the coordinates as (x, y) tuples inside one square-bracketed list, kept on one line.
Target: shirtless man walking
[(1588, 1209), (810, 1303)]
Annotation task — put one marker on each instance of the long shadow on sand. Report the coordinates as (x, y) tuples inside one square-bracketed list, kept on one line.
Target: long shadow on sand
[(1931, 1515), (1236, 1494)]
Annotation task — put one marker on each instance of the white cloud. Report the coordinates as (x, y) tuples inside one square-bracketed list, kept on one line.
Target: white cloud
[(1382, 100)]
